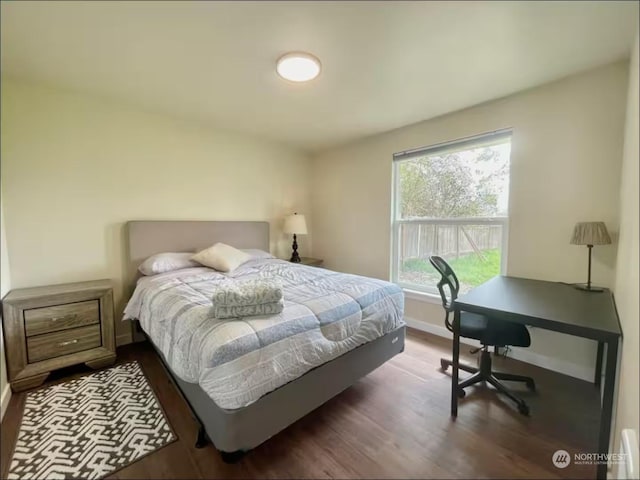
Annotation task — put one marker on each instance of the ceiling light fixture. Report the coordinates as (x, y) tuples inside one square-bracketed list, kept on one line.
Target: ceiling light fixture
[(298, 67)]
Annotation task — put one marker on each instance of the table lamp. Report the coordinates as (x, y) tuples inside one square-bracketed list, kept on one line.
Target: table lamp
[(590, 234), (295, 224)]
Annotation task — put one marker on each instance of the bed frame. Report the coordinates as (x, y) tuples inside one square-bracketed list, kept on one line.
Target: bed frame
[(234, 432)]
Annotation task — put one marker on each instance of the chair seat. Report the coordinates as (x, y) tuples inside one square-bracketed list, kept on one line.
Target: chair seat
[(494, 332)]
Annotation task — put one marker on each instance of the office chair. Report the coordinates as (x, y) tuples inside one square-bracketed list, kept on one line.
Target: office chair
[(491, 332)]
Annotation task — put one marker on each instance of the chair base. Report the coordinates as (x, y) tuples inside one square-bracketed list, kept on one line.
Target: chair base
[(484, 374)]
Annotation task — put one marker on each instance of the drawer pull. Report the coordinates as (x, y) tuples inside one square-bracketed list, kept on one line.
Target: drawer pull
[(66, 317), (68, 342)]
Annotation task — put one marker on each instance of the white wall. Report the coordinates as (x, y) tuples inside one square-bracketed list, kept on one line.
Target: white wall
[(626, 281), (565, 167), (5, 285), (75, 168), (5, 277)]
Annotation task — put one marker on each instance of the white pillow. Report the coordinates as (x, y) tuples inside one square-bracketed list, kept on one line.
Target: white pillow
[(166, 262), (257, 253), (221, 257)]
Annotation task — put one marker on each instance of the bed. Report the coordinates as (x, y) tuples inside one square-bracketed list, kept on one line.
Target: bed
[(247, 379)]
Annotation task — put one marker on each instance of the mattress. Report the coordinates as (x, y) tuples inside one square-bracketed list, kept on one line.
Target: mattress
[(237, 361)]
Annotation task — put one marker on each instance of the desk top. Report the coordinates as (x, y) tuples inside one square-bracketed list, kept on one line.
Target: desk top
[(549, 305)]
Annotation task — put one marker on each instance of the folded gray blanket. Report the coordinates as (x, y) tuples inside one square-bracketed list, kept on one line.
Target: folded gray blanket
[(234, 311), (248, 293)]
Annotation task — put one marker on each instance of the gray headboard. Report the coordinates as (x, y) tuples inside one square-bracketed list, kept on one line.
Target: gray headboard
[(148, 237)]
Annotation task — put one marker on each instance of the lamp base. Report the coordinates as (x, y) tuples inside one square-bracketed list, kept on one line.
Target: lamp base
[(588, 288), (295, 258)]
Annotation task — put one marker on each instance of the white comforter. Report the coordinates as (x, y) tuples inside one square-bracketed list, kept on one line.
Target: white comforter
[(236, 361)]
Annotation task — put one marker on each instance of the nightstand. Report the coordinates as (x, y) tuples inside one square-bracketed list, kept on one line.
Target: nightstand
[(47, 328), (312, 262)]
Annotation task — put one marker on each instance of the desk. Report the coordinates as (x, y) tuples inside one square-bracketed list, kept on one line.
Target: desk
[(552, 306)]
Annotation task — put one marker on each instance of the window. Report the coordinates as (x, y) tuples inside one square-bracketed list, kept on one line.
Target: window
[(451, 200)]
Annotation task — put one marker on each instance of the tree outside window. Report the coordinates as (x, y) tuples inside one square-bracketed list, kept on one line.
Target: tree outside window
[(451, 203)]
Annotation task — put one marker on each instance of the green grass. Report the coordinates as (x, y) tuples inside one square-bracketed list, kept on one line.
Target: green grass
[(470, 269)]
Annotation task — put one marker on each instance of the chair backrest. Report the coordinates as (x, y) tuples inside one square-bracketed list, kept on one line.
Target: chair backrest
[(448, 279)]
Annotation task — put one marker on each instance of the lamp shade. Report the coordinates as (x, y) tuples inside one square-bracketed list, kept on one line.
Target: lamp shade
[(295, 224), (590, 233)]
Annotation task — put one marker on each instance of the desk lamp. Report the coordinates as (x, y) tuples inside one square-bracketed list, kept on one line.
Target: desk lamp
[(590, 234)]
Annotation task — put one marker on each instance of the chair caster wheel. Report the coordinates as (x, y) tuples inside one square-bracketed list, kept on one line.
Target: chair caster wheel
[(461, 393), (444, 365), (531, 385), (523, 408)]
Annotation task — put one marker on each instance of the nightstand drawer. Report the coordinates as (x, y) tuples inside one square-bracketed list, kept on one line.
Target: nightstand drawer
[(61, 317), (54, 326), (62, 343)]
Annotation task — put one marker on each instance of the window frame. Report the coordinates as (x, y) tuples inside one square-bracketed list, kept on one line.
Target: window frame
[(469, 143)]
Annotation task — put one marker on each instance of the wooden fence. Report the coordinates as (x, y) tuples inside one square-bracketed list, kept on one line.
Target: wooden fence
[(419, 240)]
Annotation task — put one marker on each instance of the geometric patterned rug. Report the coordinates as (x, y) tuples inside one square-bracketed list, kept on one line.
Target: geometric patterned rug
[(89, 427)]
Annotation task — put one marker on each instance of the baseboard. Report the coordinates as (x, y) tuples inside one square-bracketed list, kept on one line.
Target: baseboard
[(522, 354), (4, 400), (554, 364), (438, 330)]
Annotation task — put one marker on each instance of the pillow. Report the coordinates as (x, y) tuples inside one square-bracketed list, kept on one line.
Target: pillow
[(257, 253), (221, 257), (166, 262)]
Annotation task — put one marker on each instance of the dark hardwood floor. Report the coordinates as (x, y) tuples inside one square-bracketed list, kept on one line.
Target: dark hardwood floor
[(394, 423)]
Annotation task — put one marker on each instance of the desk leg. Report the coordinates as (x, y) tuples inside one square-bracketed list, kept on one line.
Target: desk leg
[(607, 404), (598, 374), (455, 362)]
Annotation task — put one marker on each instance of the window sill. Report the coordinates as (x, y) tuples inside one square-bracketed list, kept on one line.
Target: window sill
[(422, 296)]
